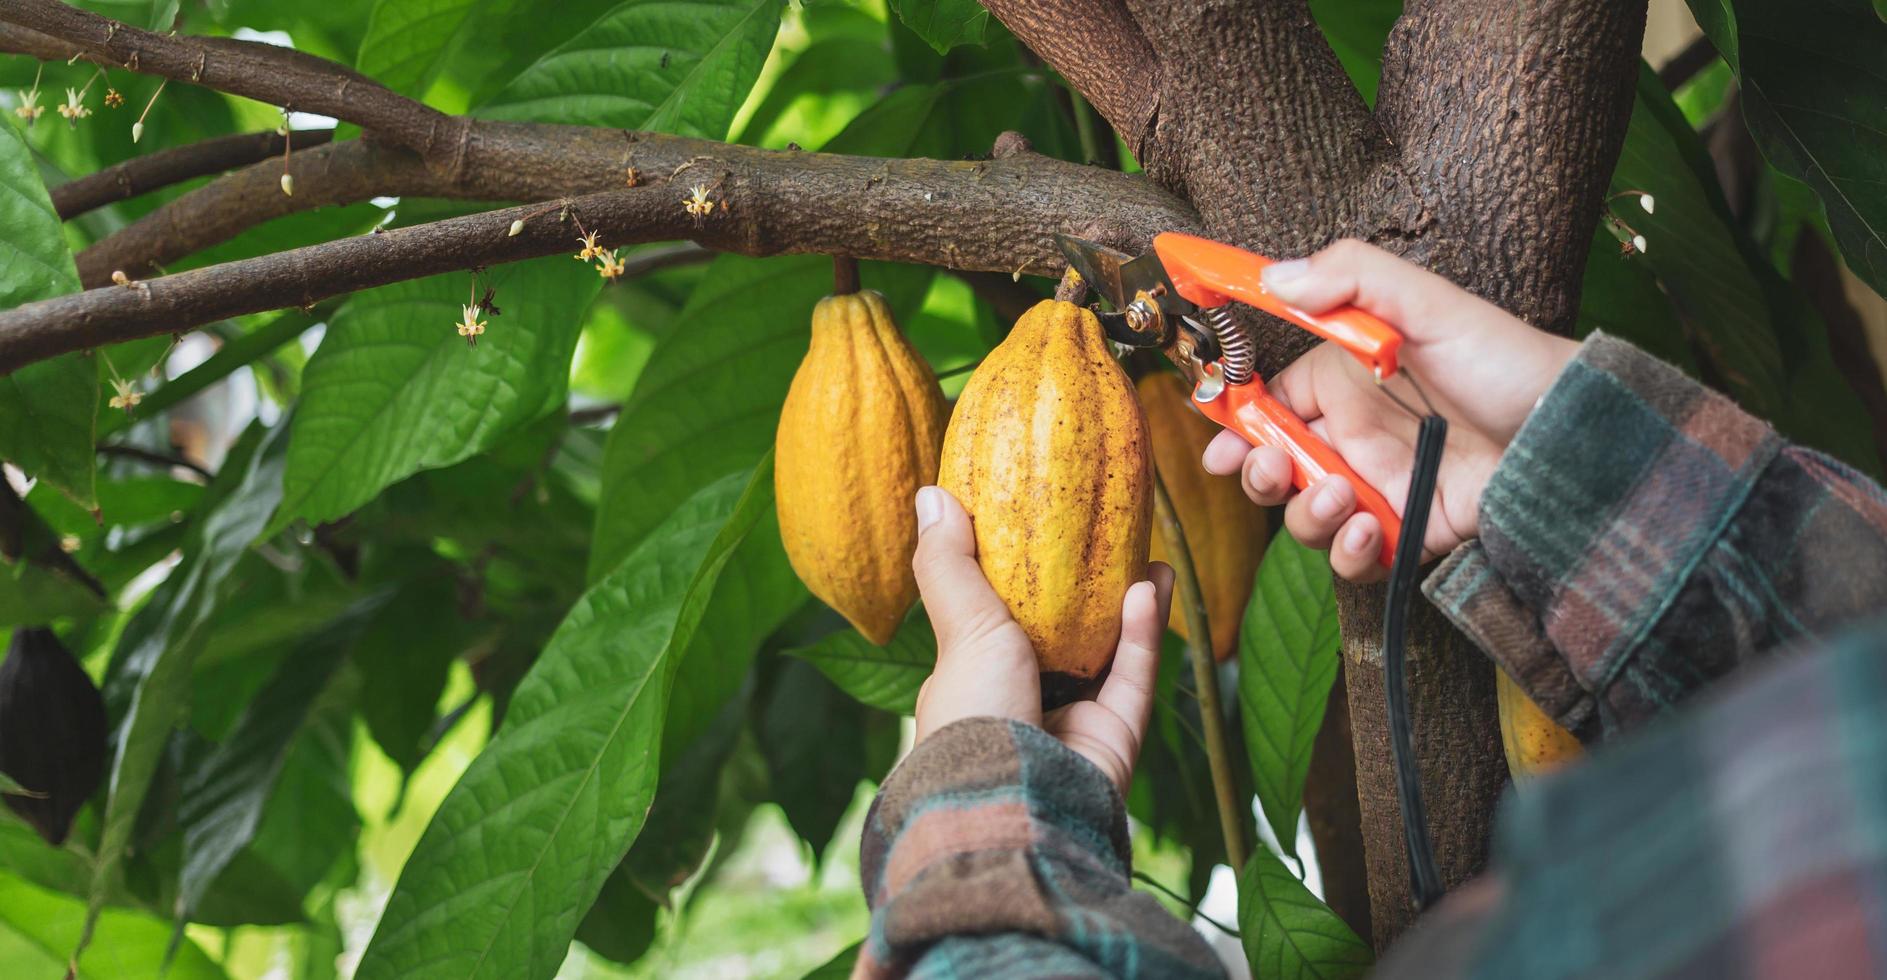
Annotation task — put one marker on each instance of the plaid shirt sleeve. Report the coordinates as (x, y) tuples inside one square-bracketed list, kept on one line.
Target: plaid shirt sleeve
[(1643, 537), (994, 850)]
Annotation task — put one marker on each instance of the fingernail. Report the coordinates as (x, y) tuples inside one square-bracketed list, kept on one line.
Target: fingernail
[(929, 507), (1279, 273), (1326, 504), (1354, 541)]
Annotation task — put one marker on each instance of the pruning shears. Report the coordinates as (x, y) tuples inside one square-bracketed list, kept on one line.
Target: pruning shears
[(1177, 298)]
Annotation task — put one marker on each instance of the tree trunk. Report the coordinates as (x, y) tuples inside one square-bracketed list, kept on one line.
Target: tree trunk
[(1336, 822)]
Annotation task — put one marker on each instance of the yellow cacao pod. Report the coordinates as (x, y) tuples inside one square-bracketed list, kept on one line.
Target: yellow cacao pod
[(859, 433), (1535, 743), (1048, 452), (1224, 530)]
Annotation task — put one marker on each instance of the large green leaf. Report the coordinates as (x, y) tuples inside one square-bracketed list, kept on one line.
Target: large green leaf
[(403, 659), (408, 41), (158, 649), (674, 66), (522, 845), (39, 928), (394, 389), (839, 966), (944, 24), (48, 409), (1287, 660), (1815, 98), (886, 677), (814, 740), (220, 806), (1356, 30), (1288, 933)]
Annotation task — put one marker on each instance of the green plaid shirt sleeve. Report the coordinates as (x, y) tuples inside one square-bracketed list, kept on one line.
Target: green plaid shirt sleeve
[(995, 851), (1643, 537)]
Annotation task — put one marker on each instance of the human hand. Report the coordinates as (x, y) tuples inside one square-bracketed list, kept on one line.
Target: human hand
[(1483, 369), (986, 666)]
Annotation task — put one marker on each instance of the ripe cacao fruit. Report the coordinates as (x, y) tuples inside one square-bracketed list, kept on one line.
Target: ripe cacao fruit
[(1224, 530), (52, 732), (859, 433), (1535, 743), (1048, 451)]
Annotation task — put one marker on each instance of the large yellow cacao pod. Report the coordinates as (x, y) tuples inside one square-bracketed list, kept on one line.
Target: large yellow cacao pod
[(1224, 530), (859, 433), (1048, 452), (1535, 743)]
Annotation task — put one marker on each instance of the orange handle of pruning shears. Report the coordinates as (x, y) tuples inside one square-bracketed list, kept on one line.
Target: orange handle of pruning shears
[(1250, 411), (1209, 274)]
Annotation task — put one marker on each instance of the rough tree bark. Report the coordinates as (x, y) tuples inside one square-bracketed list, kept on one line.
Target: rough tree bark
[(1495, 133)]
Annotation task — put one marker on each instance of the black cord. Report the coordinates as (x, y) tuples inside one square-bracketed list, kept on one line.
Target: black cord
[(1423, 877)]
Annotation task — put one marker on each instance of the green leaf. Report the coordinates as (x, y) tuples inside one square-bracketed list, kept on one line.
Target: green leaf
[(621, 924), (822, 89), (158, 649), (1621, 297), (944, 24), (222, 797), (403, 659), (673, 66), (839, 966), (408, 41), (39, 928), (1172, 791), (885, 677), (394, 389), (47, 410), (1815, 99), (814, 742), (1356, 30), (522, 845), (1287, 660), (676, 838), (1288, 933)]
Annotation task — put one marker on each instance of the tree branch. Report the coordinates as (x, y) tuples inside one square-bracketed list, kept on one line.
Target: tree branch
[(276, 75), (950, 213), (143, 174), (981, 216), (1098, 47)]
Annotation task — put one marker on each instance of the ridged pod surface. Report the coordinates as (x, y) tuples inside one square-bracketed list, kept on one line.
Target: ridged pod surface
[(1224, 530), (1535, 743), (859, 433), (1048, 450)]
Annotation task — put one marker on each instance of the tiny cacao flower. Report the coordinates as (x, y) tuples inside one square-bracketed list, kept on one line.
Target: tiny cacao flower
[(69, 543), (29, 108), (590, 249), (137, 131), (52, 732), (73, 110), (288, 184), (118, 277), (127, 396), (1648, 202), (632, 176), (517, 228), (697, 203), (113, 99), (470, 326), (611, 266), (1638, 243)]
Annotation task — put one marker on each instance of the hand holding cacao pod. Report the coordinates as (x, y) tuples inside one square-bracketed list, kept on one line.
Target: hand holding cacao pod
[(1048, 451), (859, 433)]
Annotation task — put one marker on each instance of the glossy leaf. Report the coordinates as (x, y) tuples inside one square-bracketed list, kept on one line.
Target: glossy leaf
[(814, 740), (408, 41), (403, 658), (1289, 934), (944, 24), (48, 409), (39, 929), (839, 966), (394, 389), (1815, 98), (672, 66), (1356, 30), (886, 677), (1288, 651), (222, 798), (521, 846), (158, 649)]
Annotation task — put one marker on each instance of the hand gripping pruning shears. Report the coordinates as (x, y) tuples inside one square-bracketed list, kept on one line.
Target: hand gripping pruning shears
[(1177, 298)]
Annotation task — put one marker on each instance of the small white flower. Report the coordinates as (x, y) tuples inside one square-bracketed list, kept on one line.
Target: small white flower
[(127, 397), (29, 108), (470, 326), (1647, 202), (73, 110), (137, 131), (1638, 242), (288, 184), (517, 228)]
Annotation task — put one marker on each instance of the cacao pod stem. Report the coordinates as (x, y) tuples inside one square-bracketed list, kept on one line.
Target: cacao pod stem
[(844, 275), (1205, 673)]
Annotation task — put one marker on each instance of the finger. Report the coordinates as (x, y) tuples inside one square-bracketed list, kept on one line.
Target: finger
[(1314, 516), (1355, 553), (1128, 691), (1267, 476), (957, 596), (1350, 272), (1225, 453)]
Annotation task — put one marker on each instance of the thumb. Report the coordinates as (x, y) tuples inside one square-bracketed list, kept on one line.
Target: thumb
[(957, 597), (1353, 273)]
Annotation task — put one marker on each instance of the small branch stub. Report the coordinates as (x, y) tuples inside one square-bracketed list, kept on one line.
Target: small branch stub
[(844, 275)]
